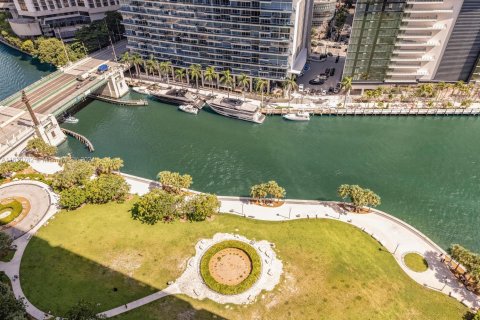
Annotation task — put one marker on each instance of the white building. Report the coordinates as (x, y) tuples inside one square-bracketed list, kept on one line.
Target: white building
[(57, 17), (323, 11)]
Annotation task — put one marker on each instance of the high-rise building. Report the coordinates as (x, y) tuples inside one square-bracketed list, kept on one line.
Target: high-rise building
[(323, 11), (263, 39), (409, 41), (59, 18)]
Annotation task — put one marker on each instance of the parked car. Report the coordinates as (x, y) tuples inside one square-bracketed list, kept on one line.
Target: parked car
[(102, 68), (316, 81), (336, 60), (332, 72), (331, 89), (300, 87), (92, 78)]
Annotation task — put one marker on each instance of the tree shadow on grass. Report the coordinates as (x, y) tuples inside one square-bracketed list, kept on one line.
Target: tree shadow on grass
[(54, 279)]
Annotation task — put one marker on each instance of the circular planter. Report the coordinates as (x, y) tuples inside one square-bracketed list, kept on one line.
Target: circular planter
[(415, 262), (230, 267), (9, 210)]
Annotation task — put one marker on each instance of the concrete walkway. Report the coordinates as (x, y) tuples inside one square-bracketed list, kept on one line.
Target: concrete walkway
[(44, 206), (395, 235)]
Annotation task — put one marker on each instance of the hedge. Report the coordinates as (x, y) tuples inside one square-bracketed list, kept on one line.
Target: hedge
[(15, 207), (242, 286)]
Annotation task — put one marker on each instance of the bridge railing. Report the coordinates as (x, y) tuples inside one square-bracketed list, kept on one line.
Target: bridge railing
[(14, 96)]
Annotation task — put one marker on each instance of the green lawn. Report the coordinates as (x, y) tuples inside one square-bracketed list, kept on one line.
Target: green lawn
[(415, 262), (331, 270)]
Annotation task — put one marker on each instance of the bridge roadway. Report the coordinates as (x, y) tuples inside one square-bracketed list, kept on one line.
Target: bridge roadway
[(53, 93)]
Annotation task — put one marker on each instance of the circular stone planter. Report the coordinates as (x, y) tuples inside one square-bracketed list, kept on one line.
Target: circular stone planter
[(9, 210), (415, 262), (230, 267)]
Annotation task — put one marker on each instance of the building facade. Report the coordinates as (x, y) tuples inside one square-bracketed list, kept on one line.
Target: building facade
[(410, 41), (323, 11), (262, 39), (60, 18)]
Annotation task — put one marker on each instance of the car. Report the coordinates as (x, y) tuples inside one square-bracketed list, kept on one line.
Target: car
[(336, 60), (92, 78), (329, 54), (306, 67), (335, 90), (79, 86), (316, 81), (331, 89), (300, 87), (338, 85), (332, 72), (327, 71), (324, 92), (322, 77)]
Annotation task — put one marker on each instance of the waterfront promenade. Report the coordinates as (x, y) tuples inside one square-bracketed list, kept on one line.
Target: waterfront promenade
[(397, 237)]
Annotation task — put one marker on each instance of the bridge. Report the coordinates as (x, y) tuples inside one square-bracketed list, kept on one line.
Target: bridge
[(55, 94)]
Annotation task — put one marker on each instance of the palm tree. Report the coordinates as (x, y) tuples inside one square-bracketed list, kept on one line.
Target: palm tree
[(137, 60), (127, 59), (180, 74), (290, 85), (260, 86), (195, 71), (244, 83), (210, 75), (458, 87), (166, 66), (227, 79), (150, 65), (346, 85)]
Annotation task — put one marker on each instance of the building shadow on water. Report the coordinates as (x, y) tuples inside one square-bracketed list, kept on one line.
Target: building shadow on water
[(54, 279)]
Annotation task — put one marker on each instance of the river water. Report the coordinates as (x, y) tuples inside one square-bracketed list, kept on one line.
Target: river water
[(425, 169)]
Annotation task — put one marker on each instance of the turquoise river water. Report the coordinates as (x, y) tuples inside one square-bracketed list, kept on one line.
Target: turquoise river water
[(426, 169)]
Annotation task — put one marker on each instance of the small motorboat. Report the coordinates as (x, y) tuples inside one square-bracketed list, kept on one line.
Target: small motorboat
[(142, 90), (70, 119), (188, 108), (298, 116)]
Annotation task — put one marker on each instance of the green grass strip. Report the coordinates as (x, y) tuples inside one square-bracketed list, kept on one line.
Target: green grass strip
[(15, 207)]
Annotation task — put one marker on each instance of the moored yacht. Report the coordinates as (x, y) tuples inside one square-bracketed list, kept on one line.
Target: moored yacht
[(298, 116), (188, 108), (236, 108), (142, 90)]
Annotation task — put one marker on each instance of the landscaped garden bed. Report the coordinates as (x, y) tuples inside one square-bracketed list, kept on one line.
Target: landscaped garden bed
[(415, 262), (9, 210)]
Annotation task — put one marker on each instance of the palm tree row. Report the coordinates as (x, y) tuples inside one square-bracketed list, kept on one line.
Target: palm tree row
[(208, 76)]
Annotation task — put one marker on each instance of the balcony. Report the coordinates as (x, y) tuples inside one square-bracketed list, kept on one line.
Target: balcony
[(429, 10), (437, 26), (417, 44), (424, 58)]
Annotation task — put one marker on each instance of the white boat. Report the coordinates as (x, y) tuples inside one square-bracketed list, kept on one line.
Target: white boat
[(142, 90), (70, 119), (237, 109), (188, 108), (298, 116)]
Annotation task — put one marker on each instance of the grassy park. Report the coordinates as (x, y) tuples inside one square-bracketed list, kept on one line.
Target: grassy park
[(331, 270)]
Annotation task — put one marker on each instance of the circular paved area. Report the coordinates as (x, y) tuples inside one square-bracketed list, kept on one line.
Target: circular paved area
[(39, 203), (230, 266)]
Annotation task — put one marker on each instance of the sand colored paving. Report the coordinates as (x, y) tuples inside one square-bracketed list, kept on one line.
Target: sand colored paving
[(230, 266)]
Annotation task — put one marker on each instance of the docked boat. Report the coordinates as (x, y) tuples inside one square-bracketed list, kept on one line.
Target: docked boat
[(70, 119), (188, 108), (142, 90), (237, 109), (298, 116), (177, 96)]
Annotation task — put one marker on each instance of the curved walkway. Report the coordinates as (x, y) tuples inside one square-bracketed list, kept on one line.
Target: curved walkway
[(396, 236), (44, 206)]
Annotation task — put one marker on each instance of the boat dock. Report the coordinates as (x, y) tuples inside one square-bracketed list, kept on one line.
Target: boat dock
[(80, 138), (179, 97), (140, 102), (374, 112)]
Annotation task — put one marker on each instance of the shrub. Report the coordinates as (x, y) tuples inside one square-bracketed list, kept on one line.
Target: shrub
[(11, 307), (106, 165), (83, 310), (6, 168), (39, 148), (173, 181), (201, 206), (5, 242), (72, 198), (15, 207), (108, 187), (74, 173), (32, 176), (242, 286), (157, 205)]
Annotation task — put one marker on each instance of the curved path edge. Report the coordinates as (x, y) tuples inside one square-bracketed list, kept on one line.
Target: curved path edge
[(395, 235)]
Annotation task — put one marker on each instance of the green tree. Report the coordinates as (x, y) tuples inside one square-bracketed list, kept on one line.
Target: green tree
[(358, 196), (274, 190), (39, 148), (52, 50), (106, 188), (74, 173), (174, 182), (180, 75), (157, 205), (5, 243), (195, 71), (150, 66), (72, 198), (83, 310), (201, 206), (476, 316), (127, 60), (8, 167), (210, 75), (28, 46), (136, 60), (227, 79), (260, 86), (11, 308), (259, 192), (106, 165), (346, 85), (290, 84), (165, 67), (244, 83)]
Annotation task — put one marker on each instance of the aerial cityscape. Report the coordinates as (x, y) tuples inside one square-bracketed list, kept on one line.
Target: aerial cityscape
[(231, 159)]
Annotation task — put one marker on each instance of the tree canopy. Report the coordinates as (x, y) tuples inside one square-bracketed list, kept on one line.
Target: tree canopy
[(39, 148), (173, 181), (95, 35), (201, 206), (11, 308), (106, 165), (83, 310), (358, 196), (5, 242), (469, 260), (72, 198), (157, 205), (106, 188), (266, 190), (74, 173), (8, 167)]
